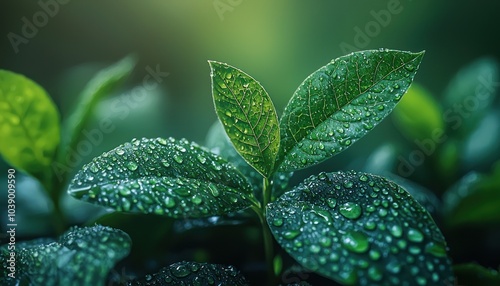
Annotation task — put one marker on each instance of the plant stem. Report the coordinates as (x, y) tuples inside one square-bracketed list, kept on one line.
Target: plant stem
[(266, 234), (53, 188)]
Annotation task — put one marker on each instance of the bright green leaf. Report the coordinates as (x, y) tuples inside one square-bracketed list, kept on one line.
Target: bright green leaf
[(101, 85), (362, 229), (165, 177), (469, 94), (29, 124), (418, 115), (193, 273), (475, 274), (82, 256), (474, 199), (339, 103), (248, 115), (219, 143)]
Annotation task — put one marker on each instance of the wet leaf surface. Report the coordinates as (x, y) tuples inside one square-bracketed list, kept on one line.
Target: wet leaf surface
[(192, 274), (248, 115), (168, 177), (81, 257), (340, 102), (362, 229)]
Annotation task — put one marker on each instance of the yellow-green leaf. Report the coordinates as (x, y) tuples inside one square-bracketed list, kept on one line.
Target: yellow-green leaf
[(29, 124)]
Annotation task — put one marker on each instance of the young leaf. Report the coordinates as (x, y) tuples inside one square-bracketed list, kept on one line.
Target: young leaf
[(219, 143), (29, 124), (358, 228), (469, 94), (248, 115), (82, 256), (339, 103), (474, 199), (99, 86), (163, 176), (193, 273), (419, 116)]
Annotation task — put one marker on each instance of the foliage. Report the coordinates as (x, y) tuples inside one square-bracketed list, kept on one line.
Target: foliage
[(354, 228)]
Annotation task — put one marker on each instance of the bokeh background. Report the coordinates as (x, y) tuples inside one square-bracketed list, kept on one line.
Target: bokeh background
[(278, 42)]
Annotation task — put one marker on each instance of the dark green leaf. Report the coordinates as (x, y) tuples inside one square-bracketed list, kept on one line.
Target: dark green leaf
[(474, 199), (218, 142), (339, 103), (165, 177), (361, 229), (192, 273), (418, 115), (423, 196), (469, 94), (101, 85), (248, 115), (29, 124), (475, 274), (82, 256)]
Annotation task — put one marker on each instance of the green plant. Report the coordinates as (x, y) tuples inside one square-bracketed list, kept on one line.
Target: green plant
[(351, 227)]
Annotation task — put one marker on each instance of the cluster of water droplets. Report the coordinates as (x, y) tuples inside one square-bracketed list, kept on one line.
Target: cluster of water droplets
[(85, 255), (192, 274), (340, 103), (359, 228), (162, 176), (247, 114)]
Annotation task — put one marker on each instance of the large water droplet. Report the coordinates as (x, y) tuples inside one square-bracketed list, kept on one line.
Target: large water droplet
[(291, 234), (415, 235), (355, 241), (350, 210), (169, 202), (331, 202), (132, 166)]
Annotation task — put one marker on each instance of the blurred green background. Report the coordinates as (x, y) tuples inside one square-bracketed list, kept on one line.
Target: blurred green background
[(279, 43)]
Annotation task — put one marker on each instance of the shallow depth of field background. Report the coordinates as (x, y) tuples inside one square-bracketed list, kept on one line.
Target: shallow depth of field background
[(278, 42)]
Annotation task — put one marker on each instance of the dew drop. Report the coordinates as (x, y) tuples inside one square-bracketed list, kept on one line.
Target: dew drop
[(178, 159), (165, 163), (315, 248), (132, 166), (196, 199), (169, 202), (278, 222), (374, 273), (291, 234), (350, 210), (355, 241), (396, 230), (415, 235), (119, 151), (331, 202), (180, 271)]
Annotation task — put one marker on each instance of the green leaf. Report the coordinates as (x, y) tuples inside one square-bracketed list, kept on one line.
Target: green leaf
[(248, 115), (418, 115), (219, 143), (29, 124), (474, 200), (101, 85), (475, 274), (358, 228), (469, 94), (82, 256), (339, 103), (193, 273), (165, 177)]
